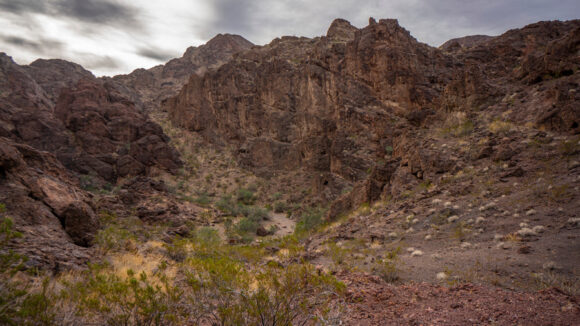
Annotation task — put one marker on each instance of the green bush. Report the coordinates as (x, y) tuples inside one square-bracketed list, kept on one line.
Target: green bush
[(246, 196), (202, 199), (387, 268), (309, 221), (134, 300), (280, 207)]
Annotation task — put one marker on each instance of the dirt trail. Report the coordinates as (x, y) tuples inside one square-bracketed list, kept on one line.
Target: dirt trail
[(285, 226)]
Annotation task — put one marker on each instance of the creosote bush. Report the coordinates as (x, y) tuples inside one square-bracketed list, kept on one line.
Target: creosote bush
[(309, 221)]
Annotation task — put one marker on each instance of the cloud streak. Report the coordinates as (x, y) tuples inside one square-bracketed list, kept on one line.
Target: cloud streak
[(88, 11)]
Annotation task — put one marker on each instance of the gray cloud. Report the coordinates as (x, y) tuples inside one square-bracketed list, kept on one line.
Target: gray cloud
[(97, 62), (156, 54), (23, 6), (40, 45), (99, 11), (88, 11)]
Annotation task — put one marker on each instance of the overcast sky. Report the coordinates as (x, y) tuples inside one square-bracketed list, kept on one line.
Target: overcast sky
[(111, 37)]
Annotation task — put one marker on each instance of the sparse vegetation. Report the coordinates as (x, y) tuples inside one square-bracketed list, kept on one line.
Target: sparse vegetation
[(309, 221), (500, 126), (387, 268)]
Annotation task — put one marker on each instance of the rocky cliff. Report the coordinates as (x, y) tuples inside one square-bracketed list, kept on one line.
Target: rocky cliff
[(149, 87), (59, 124), (351, 104)]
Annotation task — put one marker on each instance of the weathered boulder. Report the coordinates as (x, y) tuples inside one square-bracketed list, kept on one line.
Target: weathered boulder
[(46, 204)]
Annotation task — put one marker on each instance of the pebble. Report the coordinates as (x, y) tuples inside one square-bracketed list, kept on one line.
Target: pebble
[(531, 212), (539, 229), (452, 219), (416, 253), (503, 245), (526, 232), (442, 276), (479, 220), (575, 221)]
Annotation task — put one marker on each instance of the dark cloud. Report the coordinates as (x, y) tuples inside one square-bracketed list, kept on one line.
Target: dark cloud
[(23, 6), (88, 11), (99, 11), (156, 54), (40, 45)]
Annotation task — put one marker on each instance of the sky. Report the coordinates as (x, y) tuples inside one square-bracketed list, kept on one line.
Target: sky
[(112, 37)]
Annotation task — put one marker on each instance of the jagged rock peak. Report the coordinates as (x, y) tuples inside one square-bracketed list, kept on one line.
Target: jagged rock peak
[(221, 40), (389, 29), (341, 29)]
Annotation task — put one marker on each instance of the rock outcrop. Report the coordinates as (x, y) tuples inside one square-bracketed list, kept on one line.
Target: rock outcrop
[(57, 106), (59, 124), (47, 205), (344, 104), (149, 87)]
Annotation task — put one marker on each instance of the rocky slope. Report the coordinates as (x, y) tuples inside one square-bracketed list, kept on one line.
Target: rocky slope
[(60, 125), (149, 87), (57, 218), (89, 126), (352, 103)]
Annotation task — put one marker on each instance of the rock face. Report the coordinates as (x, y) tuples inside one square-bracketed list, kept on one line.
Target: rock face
[(46, 204), (59, 107), (464, 42), (148, 88), (59, 123), (112, 138), (354, 101)]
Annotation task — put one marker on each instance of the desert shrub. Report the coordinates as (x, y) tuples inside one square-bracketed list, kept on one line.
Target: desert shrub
[(277, 196), (387, 268), (228, 206), (178, 249), (113, 238), (207, 236), (337, 254), (309, 221), (132, 300), (202, 199), (224, 293), (246, 196), (461, 231), (247, 226), (256, 214), (458, 125), (500, 127)]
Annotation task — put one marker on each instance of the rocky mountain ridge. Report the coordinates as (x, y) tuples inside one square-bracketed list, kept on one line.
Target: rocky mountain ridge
[(296, 103), (424, 161)]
